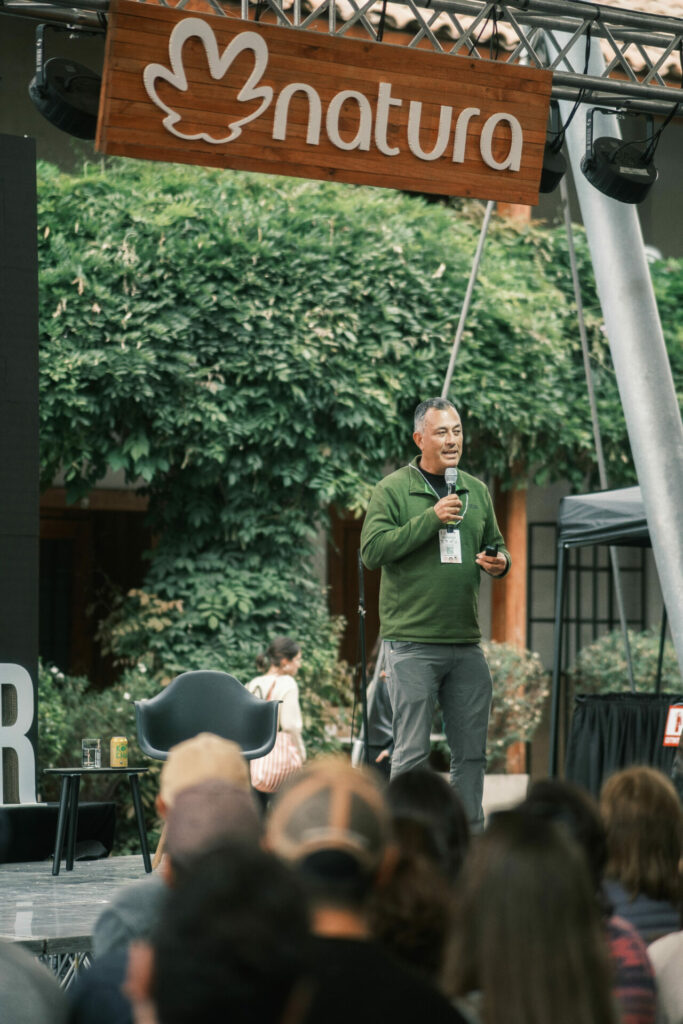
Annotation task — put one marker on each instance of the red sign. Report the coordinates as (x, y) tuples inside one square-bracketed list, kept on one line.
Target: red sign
[(674, 726)]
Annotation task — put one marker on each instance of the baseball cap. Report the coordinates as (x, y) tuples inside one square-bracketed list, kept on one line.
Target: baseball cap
[(204, 756), (329, 806)]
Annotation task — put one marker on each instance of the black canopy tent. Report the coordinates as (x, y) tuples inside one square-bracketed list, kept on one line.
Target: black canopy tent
[(616, 518), (607, 517)]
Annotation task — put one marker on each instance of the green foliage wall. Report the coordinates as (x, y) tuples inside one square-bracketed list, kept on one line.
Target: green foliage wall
[(252, 349), (601, 666), (520, 690), (213, 333)]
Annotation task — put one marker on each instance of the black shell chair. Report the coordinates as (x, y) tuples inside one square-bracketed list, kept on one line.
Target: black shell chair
[(206, 701)]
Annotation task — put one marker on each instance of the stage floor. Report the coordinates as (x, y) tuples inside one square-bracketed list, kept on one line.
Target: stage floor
[(49, 914)]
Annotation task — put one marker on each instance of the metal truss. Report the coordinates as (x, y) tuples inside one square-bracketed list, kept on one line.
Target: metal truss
[(66, 966), (642, 50)]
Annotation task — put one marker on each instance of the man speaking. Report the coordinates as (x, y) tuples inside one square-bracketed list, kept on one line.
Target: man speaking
[(432, 529)]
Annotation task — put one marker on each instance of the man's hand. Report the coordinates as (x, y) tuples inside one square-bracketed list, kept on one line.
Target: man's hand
[(494, 565), (448, 509)]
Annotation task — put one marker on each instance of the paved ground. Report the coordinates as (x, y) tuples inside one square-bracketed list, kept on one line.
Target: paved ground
[(503, 791)]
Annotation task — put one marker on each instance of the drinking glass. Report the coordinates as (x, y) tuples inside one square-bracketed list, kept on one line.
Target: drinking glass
[(91, 753)]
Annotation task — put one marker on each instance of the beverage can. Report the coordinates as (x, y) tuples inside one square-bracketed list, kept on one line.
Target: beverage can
[(118, 752)]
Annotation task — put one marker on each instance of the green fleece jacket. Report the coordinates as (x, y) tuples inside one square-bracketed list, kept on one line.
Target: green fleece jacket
[(422, 599)]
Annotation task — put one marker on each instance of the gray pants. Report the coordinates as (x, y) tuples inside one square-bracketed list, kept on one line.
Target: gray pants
[(458, 676)]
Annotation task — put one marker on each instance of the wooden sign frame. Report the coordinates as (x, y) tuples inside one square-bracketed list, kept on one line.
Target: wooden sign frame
[(225, 92)]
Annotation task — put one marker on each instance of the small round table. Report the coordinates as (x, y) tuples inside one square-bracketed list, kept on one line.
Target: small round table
[(67, 819)]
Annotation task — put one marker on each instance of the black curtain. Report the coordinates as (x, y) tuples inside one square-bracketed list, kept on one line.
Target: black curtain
[(615, 730)]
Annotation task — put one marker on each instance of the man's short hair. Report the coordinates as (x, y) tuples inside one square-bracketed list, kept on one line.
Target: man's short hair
[(423, 407), (205, 756), (231, 941)]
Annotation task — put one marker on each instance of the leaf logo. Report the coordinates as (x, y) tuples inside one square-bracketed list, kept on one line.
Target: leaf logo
[(219, 66)]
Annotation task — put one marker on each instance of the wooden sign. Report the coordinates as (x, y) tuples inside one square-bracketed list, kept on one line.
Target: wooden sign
[(224, 92)]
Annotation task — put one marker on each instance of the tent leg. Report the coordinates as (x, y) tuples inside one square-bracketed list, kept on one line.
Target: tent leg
[(660, 659), (557, 659)]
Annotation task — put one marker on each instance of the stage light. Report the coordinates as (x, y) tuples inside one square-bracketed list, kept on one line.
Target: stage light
[(65, 92), (554, 163), (620, 170)]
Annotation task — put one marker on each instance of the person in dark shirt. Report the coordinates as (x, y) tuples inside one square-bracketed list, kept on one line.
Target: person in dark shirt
[(202, 815), (332, 825), (230, 945), (411, 911)]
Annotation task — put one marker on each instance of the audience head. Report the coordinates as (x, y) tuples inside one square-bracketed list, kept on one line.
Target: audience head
[(527, 931), (281, 652), (229, 944), (29, 993), (209, 814), (202, 757), (331, 822), (429, 819), (573, 808), (410, 912), (644, 824)]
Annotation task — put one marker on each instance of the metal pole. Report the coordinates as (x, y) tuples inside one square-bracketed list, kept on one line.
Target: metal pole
[(660, 657), (557, 659), (468, 298), (602, 470), (363, 661), (640, 360)]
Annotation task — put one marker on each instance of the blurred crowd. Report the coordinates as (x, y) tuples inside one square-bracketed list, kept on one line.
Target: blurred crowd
[(350, 899)]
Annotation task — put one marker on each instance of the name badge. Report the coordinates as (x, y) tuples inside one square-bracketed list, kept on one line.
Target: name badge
[(449, 546)]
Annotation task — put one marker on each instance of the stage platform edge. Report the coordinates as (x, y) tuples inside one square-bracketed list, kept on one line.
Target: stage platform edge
[(54, 916)]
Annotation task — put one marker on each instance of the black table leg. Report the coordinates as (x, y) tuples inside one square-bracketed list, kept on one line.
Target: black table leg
[(61, 823), (73, 822), (140, 818)]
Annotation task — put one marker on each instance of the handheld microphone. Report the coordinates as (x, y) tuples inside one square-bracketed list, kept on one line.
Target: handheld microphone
[(451, 478)]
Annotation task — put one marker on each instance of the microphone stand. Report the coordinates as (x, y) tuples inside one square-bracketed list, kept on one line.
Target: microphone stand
[(363, 664)]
